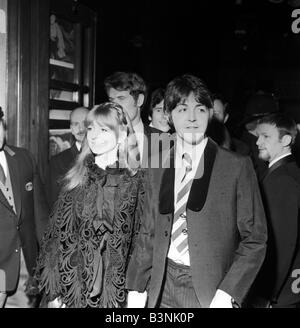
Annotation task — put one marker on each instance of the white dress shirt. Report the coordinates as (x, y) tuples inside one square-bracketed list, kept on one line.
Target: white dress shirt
[(3, 161), (139, 134)]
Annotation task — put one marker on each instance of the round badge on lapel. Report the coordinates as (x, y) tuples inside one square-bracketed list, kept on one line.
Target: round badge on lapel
[(28, 186)]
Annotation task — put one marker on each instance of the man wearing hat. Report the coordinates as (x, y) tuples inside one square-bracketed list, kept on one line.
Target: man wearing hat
[(259, 105), (23, 218)]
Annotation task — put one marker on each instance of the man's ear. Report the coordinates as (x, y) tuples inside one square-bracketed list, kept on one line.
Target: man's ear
[(150, 118), (140, 100), (211, 113), (226, 118), (286, 140)]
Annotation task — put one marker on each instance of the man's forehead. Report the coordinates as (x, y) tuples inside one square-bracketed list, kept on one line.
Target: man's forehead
[(117, 93), (218, 105), (78, 116), (266, 127)]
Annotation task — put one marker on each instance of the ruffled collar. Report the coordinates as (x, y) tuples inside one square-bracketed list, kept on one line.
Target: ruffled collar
[(96, 173)]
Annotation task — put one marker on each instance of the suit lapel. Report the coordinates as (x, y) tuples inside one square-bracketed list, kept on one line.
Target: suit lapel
[(13, 167), (283, 161), (4, 201), (166, 192), (199, 188)]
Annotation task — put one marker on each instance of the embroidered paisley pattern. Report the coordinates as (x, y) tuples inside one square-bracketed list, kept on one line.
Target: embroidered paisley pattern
[(85, 249)]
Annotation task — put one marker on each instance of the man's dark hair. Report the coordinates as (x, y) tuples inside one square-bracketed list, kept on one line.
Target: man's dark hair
[(283, 122), (1, 113), (180, 88), (157, 97), (127, 81)]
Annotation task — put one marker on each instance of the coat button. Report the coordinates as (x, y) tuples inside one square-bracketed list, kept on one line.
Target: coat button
[(166, 233), (16, 250), (18, 227)]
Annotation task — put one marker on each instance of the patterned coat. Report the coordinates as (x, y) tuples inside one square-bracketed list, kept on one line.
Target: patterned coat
[(86, 247)]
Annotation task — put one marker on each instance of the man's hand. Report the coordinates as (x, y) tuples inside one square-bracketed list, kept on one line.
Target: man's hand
[(221, 300), (136, 299), (57, 303)]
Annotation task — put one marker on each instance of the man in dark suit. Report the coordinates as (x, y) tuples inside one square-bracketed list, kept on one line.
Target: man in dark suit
[(221, 114), (23, 218), (60, 164), (203, 234), (281, 197), (129, 90)]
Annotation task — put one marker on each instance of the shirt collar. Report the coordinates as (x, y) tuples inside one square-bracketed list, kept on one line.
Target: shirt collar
[(195, 151), (139, 128), (78, 145), (279, 158)]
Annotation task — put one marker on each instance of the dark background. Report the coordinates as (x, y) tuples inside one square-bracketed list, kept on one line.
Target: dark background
[(236, 46)]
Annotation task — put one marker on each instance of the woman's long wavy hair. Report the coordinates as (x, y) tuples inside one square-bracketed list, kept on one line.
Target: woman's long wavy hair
[(114, 117)]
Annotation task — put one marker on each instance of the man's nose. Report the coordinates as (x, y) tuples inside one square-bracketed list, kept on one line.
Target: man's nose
[(82, 127), (191, 113), (258, 141)]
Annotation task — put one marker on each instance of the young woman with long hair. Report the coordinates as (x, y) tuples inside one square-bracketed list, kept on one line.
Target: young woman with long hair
[(86, 248)]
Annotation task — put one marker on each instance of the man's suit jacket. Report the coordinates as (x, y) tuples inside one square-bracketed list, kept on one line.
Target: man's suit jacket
[(226, 228), (23, 229), (152, 144), (281, 197), (59, 165)]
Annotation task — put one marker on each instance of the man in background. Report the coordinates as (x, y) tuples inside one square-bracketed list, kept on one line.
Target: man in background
[(23, 219), (281, 197), (62, 162), (129, 91)]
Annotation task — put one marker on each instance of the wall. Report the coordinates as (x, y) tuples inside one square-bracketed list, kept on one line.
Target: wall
[(3, 36)]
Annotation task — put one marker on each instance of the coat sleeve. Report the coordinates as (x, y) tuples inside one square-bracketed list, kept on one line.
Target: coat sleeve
[(252, 228), (282, 203), (140, 264), (41, 208)]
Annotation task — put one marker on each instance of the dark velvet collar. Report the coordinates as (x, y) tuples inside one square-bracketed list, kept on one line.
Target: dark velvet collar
[(199, 187)]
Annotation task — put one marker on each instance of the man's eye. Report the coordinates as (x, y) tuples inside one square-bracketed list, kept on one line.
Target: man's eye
[(103, 130), (89, 128)]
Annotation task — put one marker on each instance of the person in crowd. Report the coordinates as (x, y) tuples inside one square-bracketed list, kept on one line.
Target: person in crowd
[(258, 105), (23, 219), (292, 108), (87, 245), (220, 131), (157, 117), (62, 162), (129, 90), (203, 235), (276, 284)]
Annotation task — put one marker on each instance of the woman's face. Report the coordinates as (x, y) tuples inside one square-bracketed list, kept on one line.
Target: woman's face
[(101, 139)]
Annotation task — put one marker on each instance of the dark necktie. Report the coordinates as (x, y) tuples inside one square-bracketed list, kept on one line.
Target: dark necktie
[(2, 175)]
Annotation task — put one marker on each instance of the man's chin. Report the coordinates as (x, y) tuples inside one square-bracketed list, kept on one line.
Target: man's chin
[(263, 157)]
